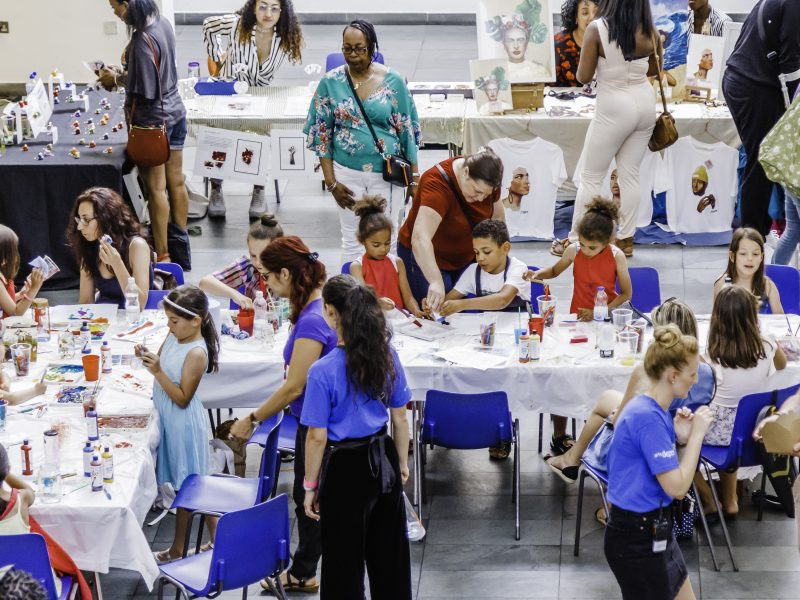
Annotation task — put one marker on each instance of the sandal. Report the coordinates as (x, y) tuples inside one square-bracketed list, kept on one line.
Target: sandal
[(293, 584), (164, 258), (163, 557), (558, 246), (626, 245), (500, 452), (567, 474), (559, 445), (204, 548), (600, 516)]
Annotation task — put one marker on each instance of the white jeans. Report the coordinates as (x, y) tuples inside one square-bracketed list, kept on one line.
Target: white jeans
[(363, 183)]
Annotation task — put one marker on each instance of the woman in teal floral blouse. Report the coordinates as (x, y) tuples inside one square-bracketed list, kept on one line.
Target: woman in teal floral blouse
[(339, 135)]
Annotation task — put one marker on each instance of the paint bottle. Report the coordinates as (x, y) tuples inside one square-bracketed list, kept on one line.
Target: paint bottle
[(524, 348), (108, 465), (536, 347), (27, 469), (88, 451), (85, 337), (97, 474), (105, 357), (92, 431)]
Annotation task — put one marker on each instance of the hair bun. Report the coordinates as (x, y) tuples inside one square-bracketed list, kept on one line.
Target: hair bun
[(269, 220), (667, 336), (604, 207), (369, 205)]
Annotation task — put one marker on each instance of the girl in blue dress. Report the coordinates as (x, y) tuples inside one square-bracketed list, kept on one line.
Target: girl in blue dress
[(190, 350)]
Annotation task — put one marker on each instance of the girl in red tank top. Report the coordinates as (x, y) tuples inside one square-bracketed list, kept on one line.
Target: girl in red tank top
[(379, 269), (595, 261)]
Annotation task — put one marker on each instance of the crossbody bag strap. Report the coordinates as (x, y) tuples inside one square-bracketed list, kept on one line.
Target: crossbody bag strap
[(157, 63), (478, 288), (660, 72), (456, 194)]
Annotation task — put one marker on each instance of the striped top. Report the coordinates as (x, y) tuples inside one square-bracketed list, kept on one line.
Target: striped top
[(240, 61), (713, 25)]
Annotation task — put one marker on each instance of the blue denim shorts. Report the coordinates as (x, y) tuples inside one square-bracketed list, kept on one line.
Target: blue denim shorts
[(177, 135)]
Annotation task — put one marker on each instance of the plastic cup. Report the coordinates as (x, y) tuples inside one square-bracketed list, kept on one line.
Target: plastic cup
[(639, 326), (91, 367), (245, 320), (488, 329), (547, 308), (621, 317), (536, 325), (89, 401), (3, 406), (629, 342), (21, 354)]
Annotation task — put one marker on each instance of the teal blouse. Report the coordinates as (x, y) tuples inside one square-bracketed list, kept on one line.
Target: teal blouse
[(336, 129)]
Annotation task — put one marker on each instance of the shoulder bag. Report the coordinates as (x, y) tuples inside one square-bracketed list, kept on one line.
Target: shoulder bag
[(148, 146), (396, 169), (664, 133)]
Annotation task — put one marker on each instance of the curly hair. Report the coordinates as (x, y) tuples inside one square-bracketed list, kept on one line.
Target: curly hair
[(113, 217), (569, 14), (368, 30), (287, 28), (492, 229), (370, 364), (371, 217), (265, 228), (20, 585), (306, 270), (597, 225)]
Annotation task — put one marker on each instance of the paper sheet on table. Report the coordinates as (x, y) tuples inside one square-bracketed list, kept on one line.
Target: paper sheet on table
[(470, 356), (429, 331), (83, 312), (297, 106), (152, 327)]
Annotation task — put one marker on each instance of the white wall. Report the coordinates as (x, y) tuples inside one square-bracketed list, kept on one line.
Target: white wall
[(60, 34), (408, 6)]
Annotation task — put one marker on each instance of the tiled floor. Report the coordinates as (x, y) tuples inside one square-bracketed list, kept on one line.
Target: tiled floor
[(470, 551)]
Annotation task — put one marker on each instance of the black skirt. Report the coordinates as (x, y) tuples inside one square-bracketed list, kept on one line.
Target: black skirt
[(641, 573)]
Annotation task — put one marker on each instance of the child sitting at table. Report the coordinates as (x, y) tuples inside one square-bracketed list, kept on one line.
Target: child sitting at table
[(746, 269), (495, 281), (9, 265), (246, 271), (19, 396), (596, 262), (378, 268), (191, 349)]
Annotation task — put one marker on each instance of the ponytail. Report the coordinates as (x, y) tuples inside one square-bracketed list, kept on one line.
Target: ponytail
[(190, 301)]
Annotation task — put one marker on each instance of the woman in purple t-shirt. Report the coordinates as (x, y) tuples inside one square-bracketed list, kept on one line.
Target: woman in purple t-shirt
[(292, 271)]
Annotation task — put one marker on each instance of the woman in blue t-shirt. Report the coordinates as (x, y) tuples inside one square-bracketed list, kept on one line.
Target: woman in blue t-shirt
[(292, 271), (647, 471), (354, 470)]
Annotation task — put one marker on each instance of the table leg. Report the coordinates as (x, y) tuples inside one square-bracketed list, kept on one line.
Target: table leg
[(205, 186), (98, 589), (277, 192)]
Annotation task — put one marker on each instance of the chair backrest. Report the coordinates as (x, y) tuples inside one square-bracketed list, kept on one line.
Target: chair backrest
[(288, 433), (742, 451), (346, 267), (28, 552), (266, 436), (646, 288), (154, 297), (232, 305), (787, 280), (537, 289), (174, 268), (337, 60), (466, 421), (250, 544), (784, 394)]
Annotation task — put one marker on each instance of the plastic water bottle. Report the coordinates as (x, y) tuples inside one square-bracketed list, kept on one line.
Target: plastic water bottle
[(194, 70), (260, 322), (601, 304), (132, 308)]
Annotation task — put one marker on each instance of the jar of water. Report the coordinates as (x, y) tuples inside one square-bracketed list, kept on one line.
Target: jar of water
[(49, 483)]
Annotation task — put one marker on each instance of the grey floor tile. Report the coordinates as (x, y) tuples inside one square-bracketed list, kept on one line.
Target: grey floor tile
[(483, 557), (750, 533), (768, 559), (750, 585), (496, 507), (545, 532), (589, 585), (476, 584)]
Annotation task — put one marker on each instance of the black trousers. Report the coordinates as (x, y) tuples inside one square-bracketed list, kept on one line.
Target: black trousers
[(362, 526), (755, 110), (309, 546)]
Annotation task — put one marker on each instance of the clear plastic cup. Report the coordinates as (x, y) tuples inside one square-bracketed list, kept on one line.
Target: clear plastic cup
[(621, 317), (547, 308), (488, 329), (629, 344), (21, 354)]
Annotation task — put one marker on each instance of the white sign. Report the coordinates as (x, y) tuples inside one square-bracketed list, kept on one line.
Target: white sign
[(290, 157), (235, 155), (38, 109)]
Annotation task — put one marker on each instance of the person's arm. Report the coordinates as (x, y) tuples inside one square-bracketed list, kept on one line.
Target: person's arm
[(216, 29), (25, 296), (305, 353), (636, 384), (780, 359), (624, 279), (789, 41), (717, 287), (497, 301), (214, 287), (27, 495), (590, 51), (657, 62), (139, 259), (193, 368), (357, 272), (552, 272), (316, 440), (407, 127), (499, 211), (400, 435), (405, 290), (677, 482), (425, 227), (5, 381), (774, 298), (21, 396), (86, 293)]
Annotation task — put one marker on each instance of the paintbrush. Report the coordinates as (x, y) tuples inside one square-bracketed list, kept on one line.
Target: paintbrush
[(411, 317), (788, 324)]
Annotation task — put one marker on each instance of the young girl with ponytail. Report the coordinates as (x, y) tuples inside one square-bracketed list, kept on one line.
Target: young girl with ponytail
[(190, 350)]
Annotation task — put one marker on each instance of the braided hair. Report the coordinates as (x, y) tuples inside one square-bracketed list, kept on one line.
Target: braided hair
[(368, 29)]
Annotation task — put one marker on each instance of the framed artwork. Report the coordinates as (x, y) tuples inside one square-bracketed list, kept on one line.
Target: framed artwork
[(520, 31), (704, 63), (235, 155), (290, 157), (671, 19), (492, 88), (248, 157)]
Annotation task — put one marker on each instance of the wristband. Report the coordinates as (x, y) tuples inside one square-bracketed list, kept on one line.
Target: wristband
[(309, 486), (413, 184), (332, 186), (252, 417)]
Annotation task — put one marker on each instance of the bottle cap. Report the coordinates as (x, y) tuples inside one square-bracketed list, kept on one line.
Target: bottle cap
[(105, 448), (88, 444), (25, 442), (95, 457), (600, 288), (91, 414)]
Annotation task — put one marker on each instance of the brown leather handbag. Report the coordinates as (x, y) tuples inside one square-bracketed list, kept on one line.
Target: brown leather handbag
[(664, 133), (148, 146)]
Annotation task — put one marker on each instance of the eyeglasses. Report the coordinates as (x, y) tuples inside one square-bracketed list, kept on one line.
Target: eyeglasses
[(266, 274), (359, 50), (82, 221)]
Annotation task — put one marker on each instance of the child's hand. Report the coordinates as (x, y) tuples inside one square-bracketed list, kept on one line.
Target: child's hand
[(450, 307), (244, 302), (40, 388), (585, 314), (531, 275), (151, 362), (386, 303), (34, 281)]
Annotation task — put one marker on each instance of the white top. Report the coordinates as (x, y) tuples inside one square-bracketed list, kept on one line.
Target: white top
[(735, 384), (491, 284), (240, 60), (616, 72)]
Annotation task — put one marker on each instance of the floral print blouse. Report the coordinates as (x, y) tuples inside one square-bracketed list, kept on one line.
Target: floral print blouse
[(336, 129), (568, 55)]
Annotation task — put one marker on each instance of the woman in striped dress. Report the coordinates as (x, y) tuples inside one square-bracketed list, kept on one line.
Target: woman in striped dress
[(250, 46)]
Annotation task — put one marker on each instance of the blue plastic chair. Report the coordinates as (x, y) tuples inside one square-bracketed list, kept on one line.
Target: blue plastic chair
[(221, 494), (28, 552), (232, 305), (784, 394), (787, 280), (287, 434), (251, 544), (601, 480), (537, 289), (646, 288), (154, 297), (346, 267), (337, 60), (468, 422), (174, 268), (740, 453)]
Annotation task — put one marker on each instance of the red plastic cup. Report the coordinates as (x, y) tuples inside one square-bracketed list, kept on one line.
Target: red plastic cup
[(245, 320), (536, 325), (91, 367)]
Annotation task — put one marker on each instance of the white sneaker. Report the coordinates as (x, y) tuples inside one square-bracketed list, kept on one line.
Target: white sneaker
[(216, 204), (772, 239), (258, 203)]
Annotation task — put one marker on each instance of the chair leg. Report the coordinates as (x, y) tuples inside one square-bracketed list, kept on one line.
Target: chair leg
[(721, 516), (705, 527), (244, 593), (574, 429), (517, 473), (200, 534), (541, 430), (415, 439), (161, 581), (276, 587), (761, 497), (211, 420), (581, 486)]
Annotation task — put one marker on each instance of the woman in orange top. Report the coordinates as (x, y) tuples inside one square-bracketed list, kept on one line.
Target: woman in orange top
[(384, 272)]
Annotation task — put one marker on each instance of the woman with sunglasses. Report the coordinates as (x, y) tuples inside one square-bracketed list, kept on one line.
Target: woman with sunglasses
[(110, 246), (338, 133)]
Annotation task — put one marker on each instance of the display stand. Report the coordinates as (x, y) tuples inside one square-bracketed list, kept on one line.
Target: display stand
[(527, 96)]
